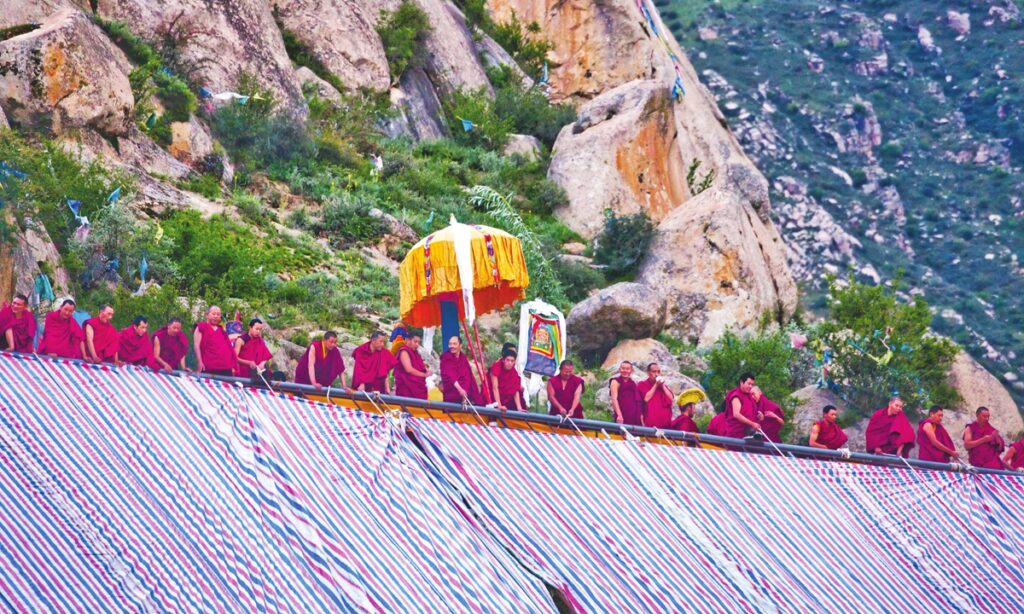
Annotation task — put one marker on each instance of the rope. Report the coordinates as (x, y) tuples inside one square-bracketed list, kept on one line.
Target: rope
[(768, 439), (566, 418)]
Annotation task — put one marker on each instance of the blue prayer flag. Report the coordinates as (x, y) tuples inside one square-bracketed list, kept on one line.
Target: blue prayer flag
[(9, 171), (242, 99), (467, 125), (205, 93), (113, 264), (143, 268), (544, 75), (114, 196), (74, 205)]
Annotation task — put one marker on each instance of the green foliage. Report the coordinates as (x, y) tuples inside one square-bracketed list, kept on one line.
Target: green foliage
[(543, 281), (489, 129), (403, 32), (116, 234), (475, 12), (768, 355), (623, 242), (207, 185), (345, 219), (251, 208), (528, 110), (157, 304), (16, 30), (577, 279), (522, 42), (698, 185), (865, 320)]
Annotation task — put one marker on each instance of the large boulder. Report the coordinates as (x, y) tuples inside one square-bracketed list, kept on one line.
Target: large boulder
[(323, 89), (419, 108), (719, 264), (625, 310), (29, 252), (21, 12), (217, 41), (640, 352), (340, 35), (66, 75)]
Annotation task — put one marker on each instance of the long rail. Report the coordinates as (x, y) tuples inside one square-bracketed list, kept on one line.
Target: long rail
[(594, 427)]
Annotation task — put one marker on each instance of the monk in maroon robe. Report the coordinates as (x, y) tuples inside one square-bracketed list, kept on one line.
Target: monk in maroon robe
[(411, 372), (17, 326), (741, 415), (933, 442), (564, 392), (101, 338), (826, 434), (657, 398), (321, 363), (717, 425), (133, 344), (684, 421), (62, 336), (983, 442), (1014, 457), (627, 403), (251, 351), (170, 346), (773, 416), (506, 383), (889, 430), (373, 365), (457, 381), (214, 354)]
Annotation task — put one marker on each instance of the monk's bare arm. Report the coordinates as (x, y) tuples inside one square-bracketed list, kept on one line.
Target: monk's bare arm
[(813, 441), (90, 345), (156, 355), (650, 393), (737, 412), (553, 400), (197, 342), (929, 430), (971, 443), (407, 366), (576, 398), (9, 335), (1008, 458), (494, 387), (613, 391)]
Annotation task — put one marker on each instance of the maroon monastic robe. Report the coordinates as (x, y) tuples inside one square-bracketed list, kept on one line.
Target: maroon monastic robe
[(889, 433), (62, 337), (631, 404), (685, 423), (327, 365), (927, 451), (172, 348), (218, 353), (830, 435), (1018, 454), (987, 455), (717, 425), (565, 392), (510, 384), (254, 349), (456, 369), (657, 411), (748, 408), (105, 339), (134, 349), (23, 328), (371, 368), (770, 427), (407, 384)]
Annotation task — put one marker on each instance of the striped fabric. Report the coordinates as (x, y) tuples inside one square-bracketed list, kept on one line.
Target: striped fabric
[(125, 490), (638, 527)]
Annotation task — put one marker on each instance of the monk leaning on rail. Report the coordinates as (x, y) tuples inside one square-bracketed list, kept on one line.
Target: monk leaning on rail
[(251, 351), (411, 372), (101, 338), (214, 353), (889, 430), (933, 442), (826, 434), (506, 384), (17, 326), (564, 392), (772, 416), (741, 414), (62, 336), (373, 365), (1014, 457), (684, 421), (321, 363), (627, 404), (983, 442), (458, 385), (170, 346), (133, 344)]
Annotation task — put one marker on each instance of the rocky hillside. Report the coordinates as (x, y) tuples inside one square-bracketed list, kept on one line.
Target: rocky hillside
[(891, 132)]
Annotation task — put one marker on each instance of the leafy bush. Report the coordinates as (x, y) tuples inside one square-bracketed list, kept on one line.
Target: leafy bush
[(403, 33), (881, 345), (522, 43), (487, 127), (529, 110), (345, 219), (577, 279), (623, 242), (117, 236), (207, 185)]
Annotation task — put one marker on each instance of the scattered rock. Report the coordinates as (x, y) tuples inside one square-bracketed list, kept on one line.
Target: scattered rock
[(924, 38), (624, 310), (574, 248), (3, 121), (395, 227), (524, 145), (339, 34), (190, 141), (959, 22), (66, 75), (707, 33)]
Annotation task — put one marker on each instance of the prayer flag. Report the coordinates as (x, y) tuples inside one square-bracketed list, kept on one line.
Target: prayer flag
[(143, 268), (467, 125), (114, 196), (75, 206), (205, 93), (43, 289), (9, 171), (151, 121), (544, 75), (677, 90)]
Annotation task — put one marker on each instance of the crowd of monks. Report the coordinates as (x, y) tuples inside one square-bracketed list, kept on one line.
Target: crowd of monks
[(648, 402)]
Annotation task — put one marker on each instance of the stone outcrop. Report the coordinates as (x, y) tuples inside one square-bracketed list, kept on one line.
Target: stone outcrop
[(20, 260), (622, 311), (20, 12), (323, 89), (719, 263), (218, 41), (66, 75), (640, 352), (525, 145), (419, 109), (340, 35)]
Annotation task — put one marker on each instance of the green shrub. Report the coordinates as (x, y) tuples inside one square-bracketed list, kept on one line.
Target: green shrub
[(403, 32), (251, 208), (529, 110), (577, 279), (207, 185), (345, 220), (522, 43), (623, 242), (488, 128)]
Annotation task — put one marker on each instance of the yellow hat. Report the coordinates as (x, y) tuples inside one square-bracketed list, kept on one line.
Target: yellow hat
[(691, 395)]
